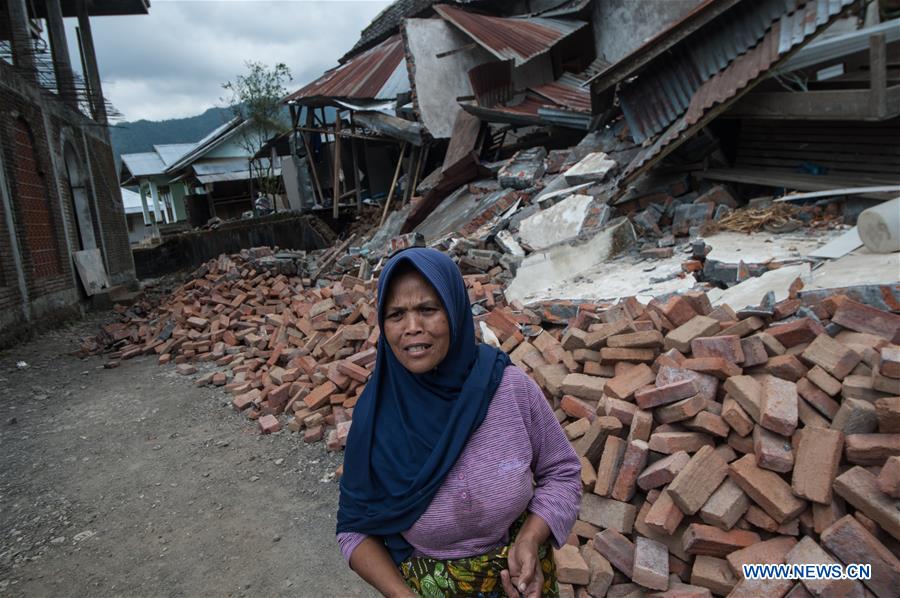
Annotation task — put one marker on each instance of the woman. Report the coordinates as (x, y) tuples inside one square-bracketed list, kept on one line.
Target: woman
[(456, 472)]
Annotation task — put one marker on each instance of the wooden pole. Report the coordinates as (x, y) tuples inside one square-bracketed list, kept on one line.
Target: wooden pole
[(311, 159), (337, 166), (356, 180), (387, 202)]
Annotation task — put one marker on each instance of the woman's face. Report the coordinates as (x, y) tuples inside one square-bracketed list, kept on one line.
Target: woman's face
[(415, 323)]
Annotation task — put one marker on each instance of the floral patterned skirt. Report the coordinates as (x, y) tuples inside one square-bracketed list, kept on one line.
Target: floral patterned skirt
[(473, 576)]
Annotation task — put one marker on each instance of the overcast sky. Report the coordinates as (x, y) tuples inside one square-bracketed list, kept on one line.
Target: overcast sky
[(172, 62)]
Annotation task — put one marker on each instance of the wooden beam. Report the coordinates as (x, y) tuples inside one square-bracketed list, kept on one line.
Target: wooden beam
[(387, 202), (836, 104), (356, 180), (465, 48), (878, 71), (337, 166)]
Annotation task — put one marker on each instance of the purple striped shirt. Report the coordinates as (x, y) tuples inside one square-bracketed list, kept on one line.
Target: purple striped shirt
[(519, 458)]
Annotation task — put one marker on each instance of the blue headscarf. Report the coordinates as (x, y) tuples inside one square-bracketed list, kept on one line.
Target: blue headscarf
[(409, 429)]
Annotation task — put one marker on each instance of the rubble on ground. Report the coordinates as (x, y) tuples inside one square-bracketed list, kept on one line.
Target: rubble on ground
[(732, 417)]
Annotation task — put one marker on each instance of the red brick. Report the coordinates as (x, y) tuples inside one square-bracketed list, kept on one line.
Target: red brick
[(654, 396), (778, 409), (797, 332), (696, 482), (269, 424), (570, 567), (318, 397), (889, 478), (663, 471), (713, 574), (725, 506), (649, 339), (617, 549), (862, 318), (766, 489), (808, 552), (816, 466), (651, 564), (747, 392), (314, 434), (697, 326), (672, 442), (577, 408), (714, 366), (787, 367), (583, 386), (707, 540), (633, 463), (816, 397), (871, 449), (353, 371), (736, 417), (726, 347), (889, 361), (608, 467), (888, 414), (852, 543), (624, 385), (607, 513)]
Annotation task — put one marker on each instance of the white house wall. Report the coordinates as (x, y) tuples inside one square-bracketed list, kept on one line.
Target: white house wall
[(439, 81)]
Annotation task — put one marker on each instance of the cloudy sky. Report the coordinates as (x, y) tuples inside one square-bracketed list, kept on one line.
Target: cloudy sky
[(172, 62)]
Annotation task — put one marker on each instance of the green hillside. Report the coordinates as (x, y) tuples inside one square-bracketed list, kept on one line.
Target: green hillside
[(142, 135)]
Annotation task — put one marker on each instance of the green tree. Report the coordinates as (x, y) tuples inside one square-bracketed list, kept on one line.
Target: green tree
[(256, 97)]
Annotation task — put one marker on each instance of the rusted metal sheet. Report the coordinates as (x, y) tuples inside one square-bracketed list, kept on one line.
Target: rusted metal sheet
[(662, 92), (492, 82), (566, 92), (378, 74), (786, 35), (516, 38)]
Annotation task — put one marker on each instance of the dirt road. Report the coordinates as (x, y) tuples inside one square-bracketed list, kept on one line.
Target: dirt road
[(134, 482)]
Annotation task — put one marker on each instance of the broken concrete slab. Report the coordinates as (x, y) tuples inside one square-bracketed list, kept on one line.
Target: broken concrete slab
[(752, 291), (460, 209), (545, 269), (839, 247), (91, 270), (593, 168), (557, 223), (879, 227)]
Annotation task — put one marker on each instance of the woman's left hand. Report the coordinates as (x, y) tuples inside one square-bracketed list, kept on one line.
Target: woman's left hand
[(524, 576)]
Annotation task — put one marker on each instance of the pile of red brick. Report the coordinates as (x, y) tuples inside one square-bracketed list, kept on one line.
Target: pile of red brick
[(709, 439)]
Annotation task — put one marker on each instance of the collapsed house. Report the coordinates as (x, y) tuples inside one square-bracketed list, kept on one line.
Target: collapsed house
[(720, 350), (63, 235)]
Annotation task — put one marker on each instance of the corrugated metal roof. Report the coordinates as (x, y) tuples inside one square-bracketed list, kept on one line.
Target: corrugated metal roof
[(786, 34), (143, 164), (171, 152), (219, 166), (377, 74), (516, 38), (212, 140), (663, 91), (566, 92), (237, 175)]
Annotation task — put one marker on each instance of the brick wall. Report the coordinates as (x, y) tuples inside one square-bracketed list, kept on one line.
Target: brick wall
[(35, 202), (34, 131), (32, 203)]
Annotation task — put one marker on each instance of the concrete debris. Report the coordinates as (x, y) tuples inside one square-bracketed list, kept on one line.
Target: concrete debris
[(593, 168), (560, 222), (524, 169)]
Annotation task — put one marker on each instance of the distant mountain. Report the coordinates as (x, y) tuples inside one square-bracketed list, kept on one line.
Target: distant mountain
[(142, 135)]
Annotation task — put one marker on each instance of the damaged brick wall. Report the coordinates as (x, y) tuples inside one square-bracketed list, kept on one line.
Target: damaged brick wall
[(38, 224)]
